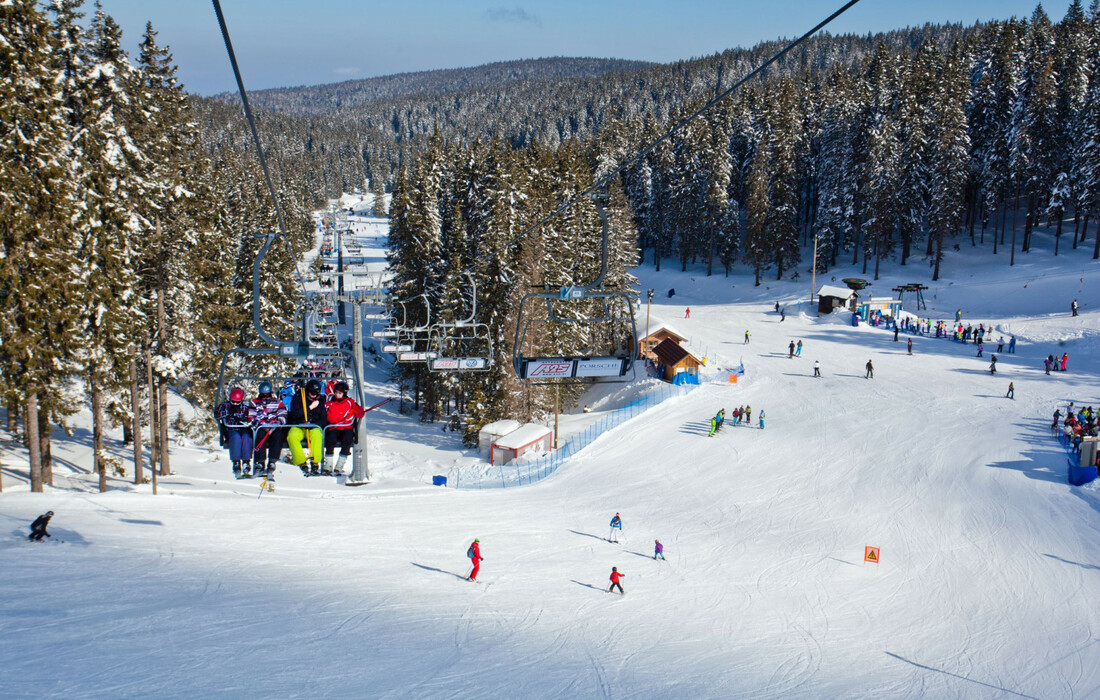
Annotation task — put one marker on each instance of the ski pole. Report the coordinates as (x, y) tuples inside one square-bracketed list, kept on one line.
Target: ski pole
[(305, 419), (262, 441)]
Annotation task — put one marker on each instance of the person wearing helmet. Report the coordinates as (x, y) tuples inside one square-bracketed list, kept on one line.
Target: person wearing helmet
[(474, 555), (308, 418), (235, 431), (286, 393), (342, 414), (267, 414), (616, 528), (38, 527)]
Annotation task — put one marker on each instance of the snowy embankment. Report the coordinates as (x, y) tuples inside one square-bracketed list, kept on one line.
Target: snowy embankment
[(987, 585)]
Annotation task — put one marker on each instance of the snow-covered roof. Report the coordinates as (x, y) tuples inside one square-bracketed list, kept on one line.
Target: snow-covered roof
[(523, 436), (500, 427), (661, 327), (827, 290)]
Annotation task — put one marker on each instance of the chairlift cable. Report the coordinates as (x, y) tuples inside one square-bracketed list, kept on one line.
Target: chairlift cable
[(679, 125), (256, 141)]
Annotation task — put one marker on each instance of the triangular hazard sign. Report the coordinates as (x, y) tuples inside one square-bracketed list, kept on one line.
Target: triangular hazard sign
[(871, 556)]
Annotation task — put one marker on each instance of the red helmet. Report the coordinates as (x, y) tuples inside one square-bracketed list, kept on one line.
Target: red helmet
[(236, 394)]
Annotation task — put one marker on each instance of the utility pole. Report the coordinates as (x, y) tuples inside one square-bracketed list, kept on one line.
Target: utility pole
[(360, 474), (648, 302), (557, 407)]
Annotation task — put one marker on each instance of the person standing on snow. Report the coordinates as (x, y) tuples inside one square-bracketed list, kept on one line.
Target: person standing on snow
[(817, 368), (658, 550), (790, 350), (1001, 344), (798, 349), (761, 419), (1065, 358), (782, 315), (1012, 345), (980, 348), (870, 371), (38, 527), (777, 307), (616, 529), (748, 415), (895, 332), (616, 577), (910, 344), (993, 365), (687, 312), (746, 337), (474, 554), (1073, 307), (1011, 391)]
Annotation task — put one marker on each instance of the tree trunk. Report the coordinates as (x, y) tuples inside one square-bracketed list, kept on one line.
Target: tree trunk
[(1076, 225), (135, 409), (1057, 235), (154, 436), (44, 451), (98, 464), (13, 417), (878, 255), (1030, 220), (1096, 247), (30, 427), (162, 384), (939, 255), (1012, 247), (162, 412)]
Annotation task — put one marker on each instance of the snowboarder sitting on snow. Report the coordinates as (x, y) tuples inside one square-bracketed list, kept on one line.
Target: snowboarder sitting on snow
[(38, 527), (616, 577), (658, 549), (235, 432), (616, 529), (473, 553), (342, 414), (309, 416)]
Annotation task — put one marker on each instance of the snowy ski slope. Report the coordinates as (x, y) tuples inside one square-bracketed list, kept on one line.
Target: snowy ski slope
[(987, 586)]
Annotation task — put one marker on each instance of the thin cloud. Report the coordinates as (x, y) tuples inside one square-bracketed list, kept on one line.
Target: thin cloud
[(347, 70), (516, 15)]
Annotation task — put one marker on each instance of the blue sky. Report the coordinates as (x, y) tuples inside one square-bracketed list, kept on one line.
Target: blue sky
[(284, 43)]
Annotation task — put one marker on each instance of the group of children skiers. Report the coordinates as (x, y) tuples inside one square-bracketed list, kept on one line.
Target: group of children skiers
[(255, 431), (741, 414)]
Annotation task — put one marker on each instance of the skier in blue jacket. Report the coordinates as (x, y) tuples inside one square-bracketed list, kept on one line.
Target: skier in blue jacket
[(616, 529)]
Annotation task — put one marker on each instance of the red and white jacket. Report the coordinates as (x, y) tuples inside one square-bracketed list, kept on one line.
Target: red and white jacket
[(342, 412)]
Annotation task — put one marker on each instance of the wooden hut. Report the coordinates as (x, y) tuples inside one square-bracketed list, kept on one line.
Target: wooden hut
[(674, 360)]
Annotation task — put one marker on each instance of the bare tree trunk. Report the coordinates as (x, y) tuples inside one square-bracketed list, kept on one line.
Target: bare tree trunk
[(1076, 225), (30, 427), (13, 417), (1012, 246), (939, 255), (97, 430), (1057, 236), (135, 409), (1030, 221), (44, 451), (1096, 247), (154, 441), (162, 384), (162, 392)]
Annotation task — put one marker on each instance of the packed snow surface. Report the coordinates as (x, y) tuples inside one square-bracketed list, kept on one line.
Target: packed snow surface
[(987, 586)]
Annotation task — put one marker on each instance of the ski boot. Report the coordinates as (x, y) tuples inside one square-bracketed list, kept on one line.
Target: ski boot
[(236, 469), (326, 470), (314, 469), (304, 466), (246, 470), (271, 471), (339, 469)]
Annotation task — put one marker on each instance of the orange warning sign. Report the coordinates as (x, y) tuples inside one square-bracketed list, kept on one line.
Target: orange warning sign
[(733, 379), (870, 554)]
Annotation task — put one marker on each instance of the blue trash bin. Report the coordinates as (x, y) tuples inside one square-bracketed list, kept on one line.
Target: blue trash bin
[(439, 481)]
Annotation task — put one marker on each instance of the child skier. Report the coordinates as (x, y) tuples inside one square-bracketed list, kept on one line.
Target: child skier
[(616, 577), (910, 346), (235, 432), (658, 550), (761, 419), (1011, 391), (38, 527), (798, 349), (616, 529), (474, 554)]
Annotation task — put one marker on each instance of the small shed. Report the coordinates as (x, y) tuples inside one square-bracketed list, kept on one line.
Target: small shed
[(830, 298), (531, 439), (676, 360), (491, 432), (880, 307), (648, 343)]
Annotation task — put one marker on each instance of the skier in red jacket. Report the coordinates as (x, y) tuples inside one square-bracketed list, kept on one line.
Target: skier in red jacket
[(474, 553), (615, 578), (342, 414)]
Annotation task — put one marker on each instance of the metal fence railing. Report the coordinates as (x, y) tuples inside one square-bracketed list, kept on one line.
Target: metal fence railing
[(533, 470)]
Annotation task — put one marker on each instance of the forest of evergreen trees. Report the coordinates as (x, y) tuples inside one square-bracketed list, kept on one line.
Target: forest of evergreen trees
[(126, 233)]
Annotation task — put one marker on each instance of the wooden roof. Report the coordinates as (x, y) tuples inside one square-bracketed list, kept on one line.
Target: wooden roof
[(669, 352), (666, 330)]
